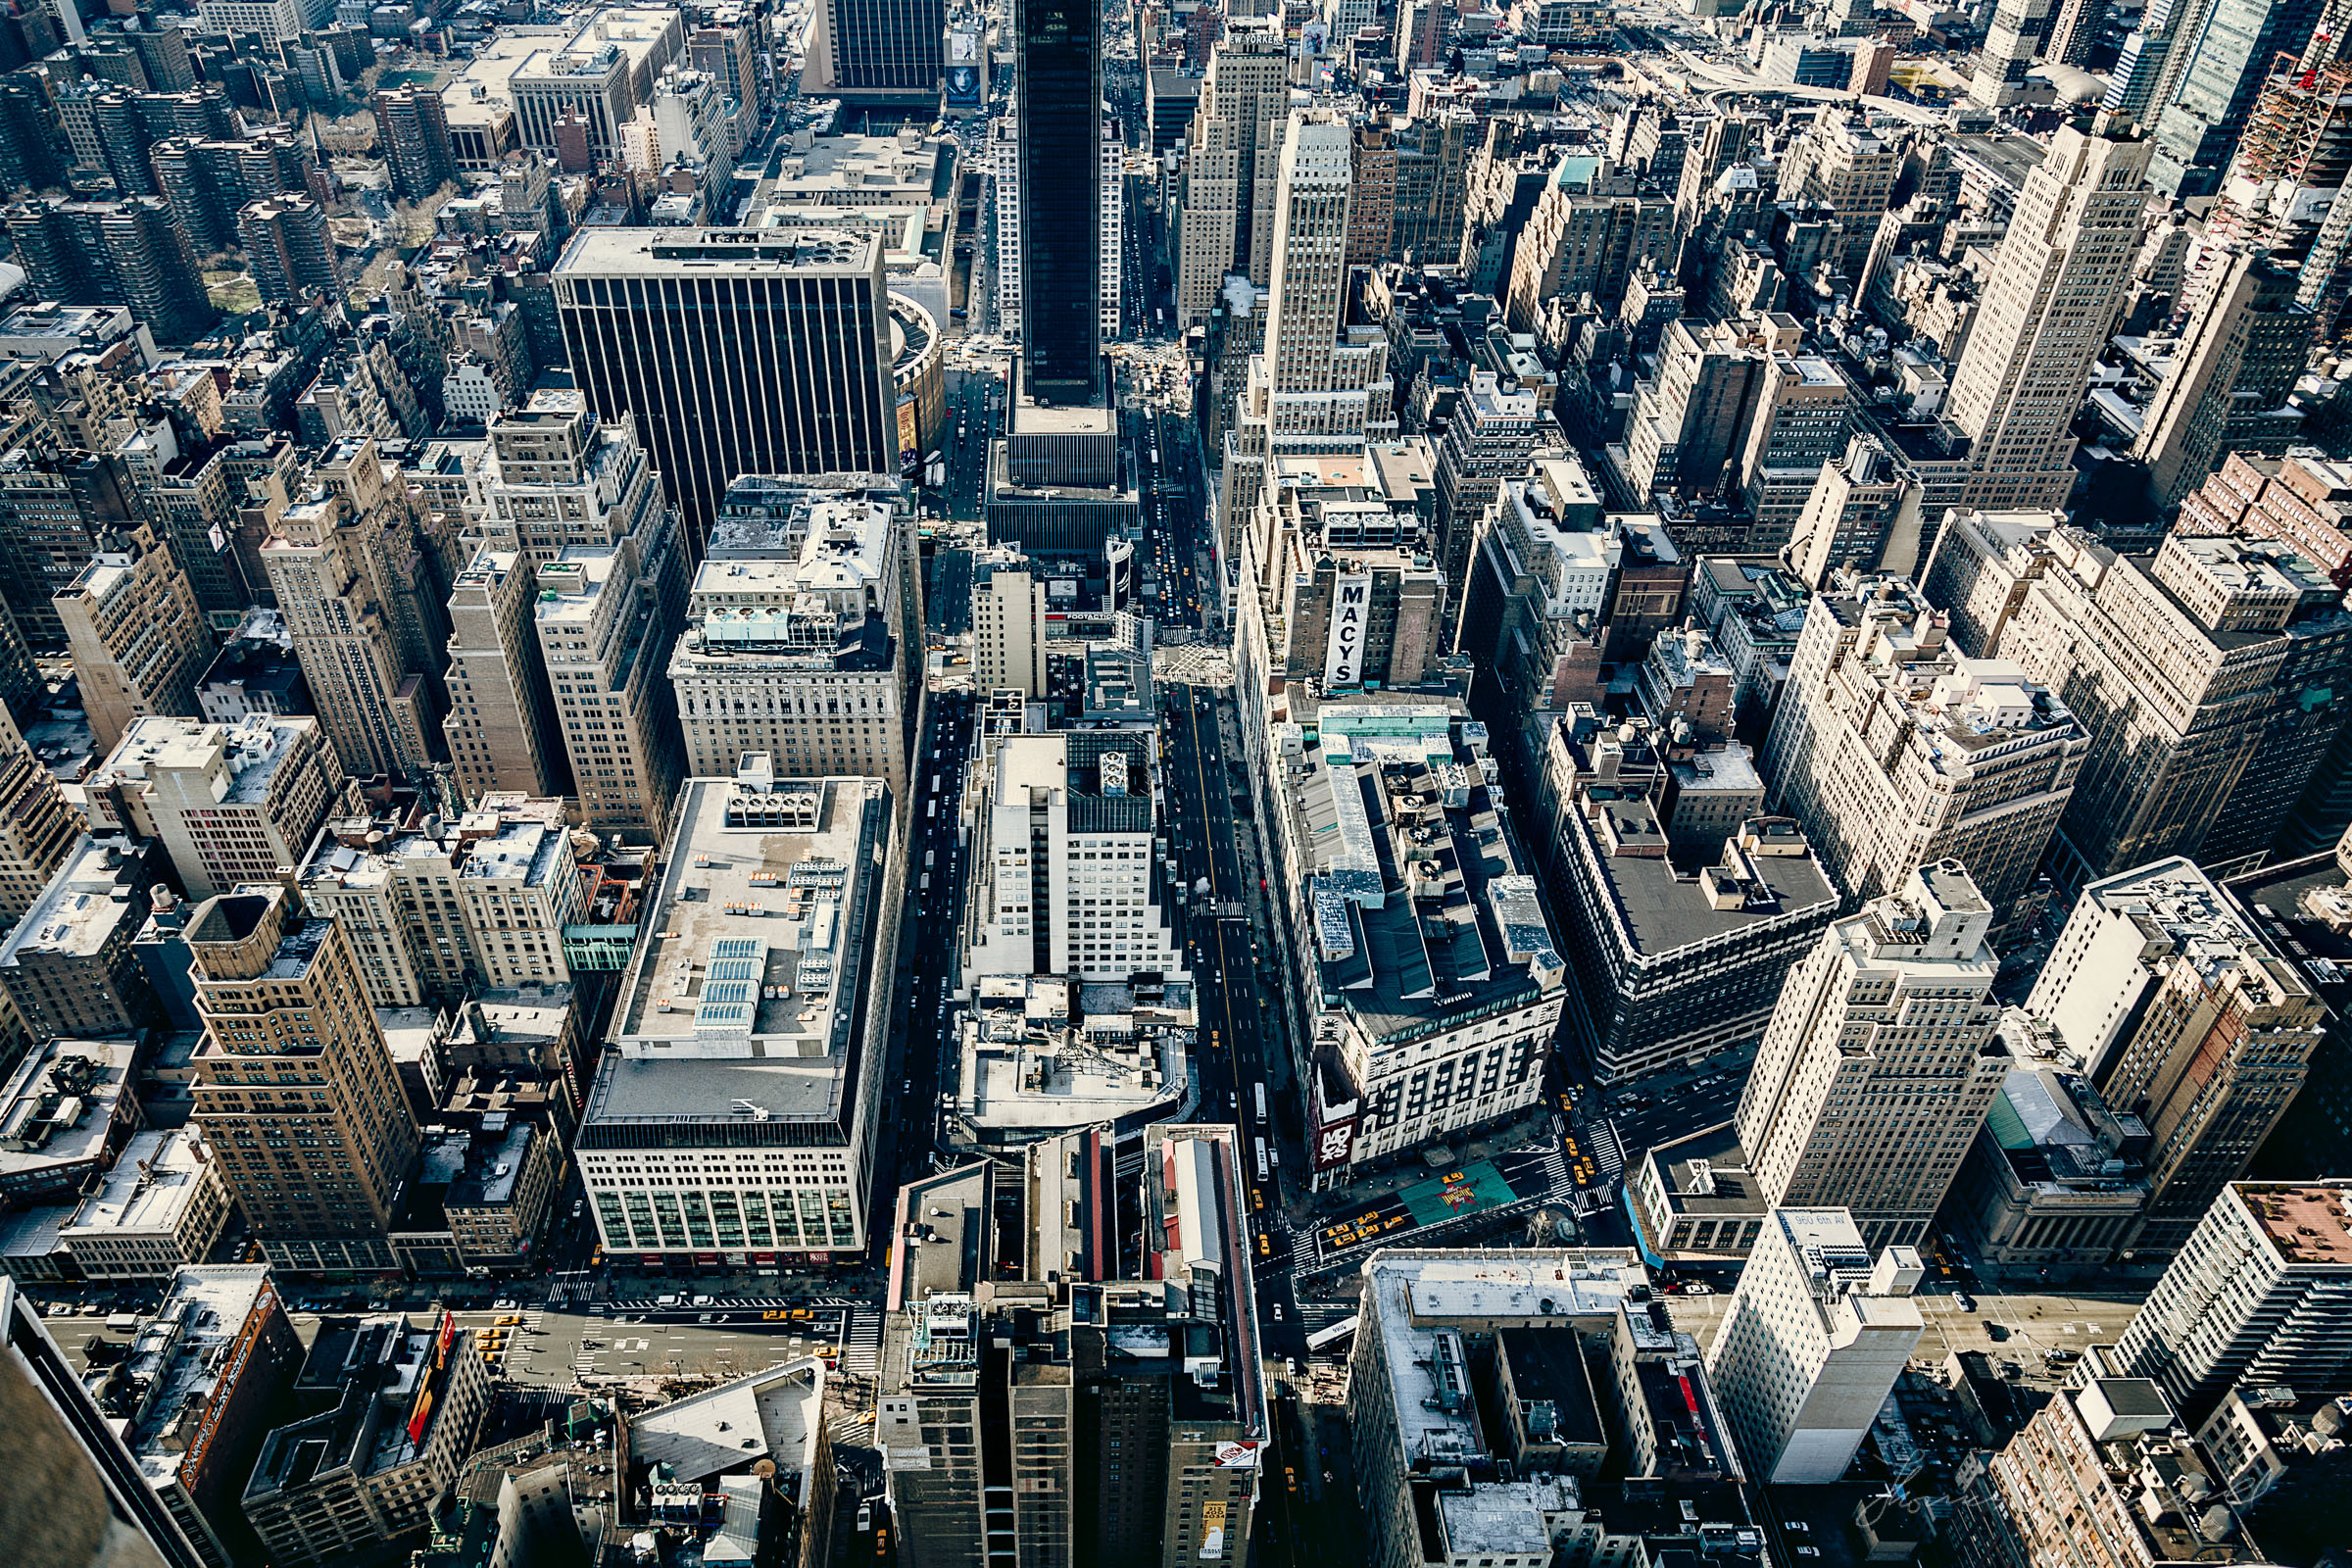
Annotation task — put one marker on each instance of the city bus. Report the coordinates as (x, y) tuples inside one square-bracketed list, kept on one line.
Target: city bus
[(1257, 1092)]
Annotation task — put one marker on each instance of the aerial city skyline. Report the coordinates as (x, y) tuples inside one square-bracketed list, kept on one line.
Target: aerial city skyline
[(1068, 783)]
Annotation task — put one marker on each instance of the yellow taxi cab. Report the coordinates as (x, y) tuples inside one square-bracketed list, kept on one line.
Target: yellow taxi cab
[(1257, 1198), (881, 1542), (509, 1321), (1265, 1248)]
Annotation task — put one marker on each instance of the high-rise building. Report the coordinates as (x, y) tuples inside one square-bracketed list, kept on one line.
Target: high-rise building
[(1112, 217), (501, 729), (1689, 420), (1816, 1335), (412, 129), (2067, 1487), (1853, 514), (1124, 1457), (607, 618), (2260, 1295), (1896, 751), (1243, 108), (2012, 42), (438, 908), (1004, 164), (69, 967), (2215, 76), (132, 253), (1317, 386), (802, 635), (2055, 284), (1589, 232), (2228, 384), (1802, 421), (889, 49), (1058, 93), (741, 351), (217, 1357), (2210, 677), (556, 474), (1008, 624), (285, 241), (1490, 437), (95, 1508), (210, 179), (1879, 1060), (1064, 882), (58, 508), (296, 1094), (726, 1009), (138, 639), (228, 803), (335, 566), (2182, 1014), (36, 826), (1983, 566), (1845, 163)]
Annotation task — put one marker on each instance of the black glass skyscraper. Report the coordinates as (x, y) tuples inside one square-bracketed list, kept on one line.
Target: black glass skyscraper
[(1059, 87), (887, 46)]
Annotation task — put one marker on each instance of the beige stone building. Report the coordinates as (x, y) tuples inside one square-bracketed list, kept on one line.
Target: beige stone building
[(1880, 1061), (228, 803), (606, 620), (337, 569), (2212, 676), (1239, 113), (1896, 751), (2048, 305), (138, 640), (436, 909), (2183, 1015), (501, 709), (295, 1093), (36, 825)]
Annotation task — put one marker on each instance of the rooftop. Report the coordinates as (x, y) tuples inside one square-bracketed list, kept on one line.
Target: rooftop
[(97, 889), (378, 1363), (1421, 908), (718, 252), (759, 924), (1043, 1053), (1665, 907), (2309, 1224), (157, 1396), (510, 838), (149, 1189), (772, 1415), (1415, 1300), (58, 1106), (238, 762)]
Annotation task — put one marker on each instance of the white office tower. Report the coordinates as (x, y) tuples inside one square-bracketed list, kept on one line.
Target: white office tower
[(1114, 222), (1816, 1336), (1064, 881), (1004, 162), (2056, 281), (2261, 1295), (1312, 384), (1881, 1060), (1317, 387), (798, 636)]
